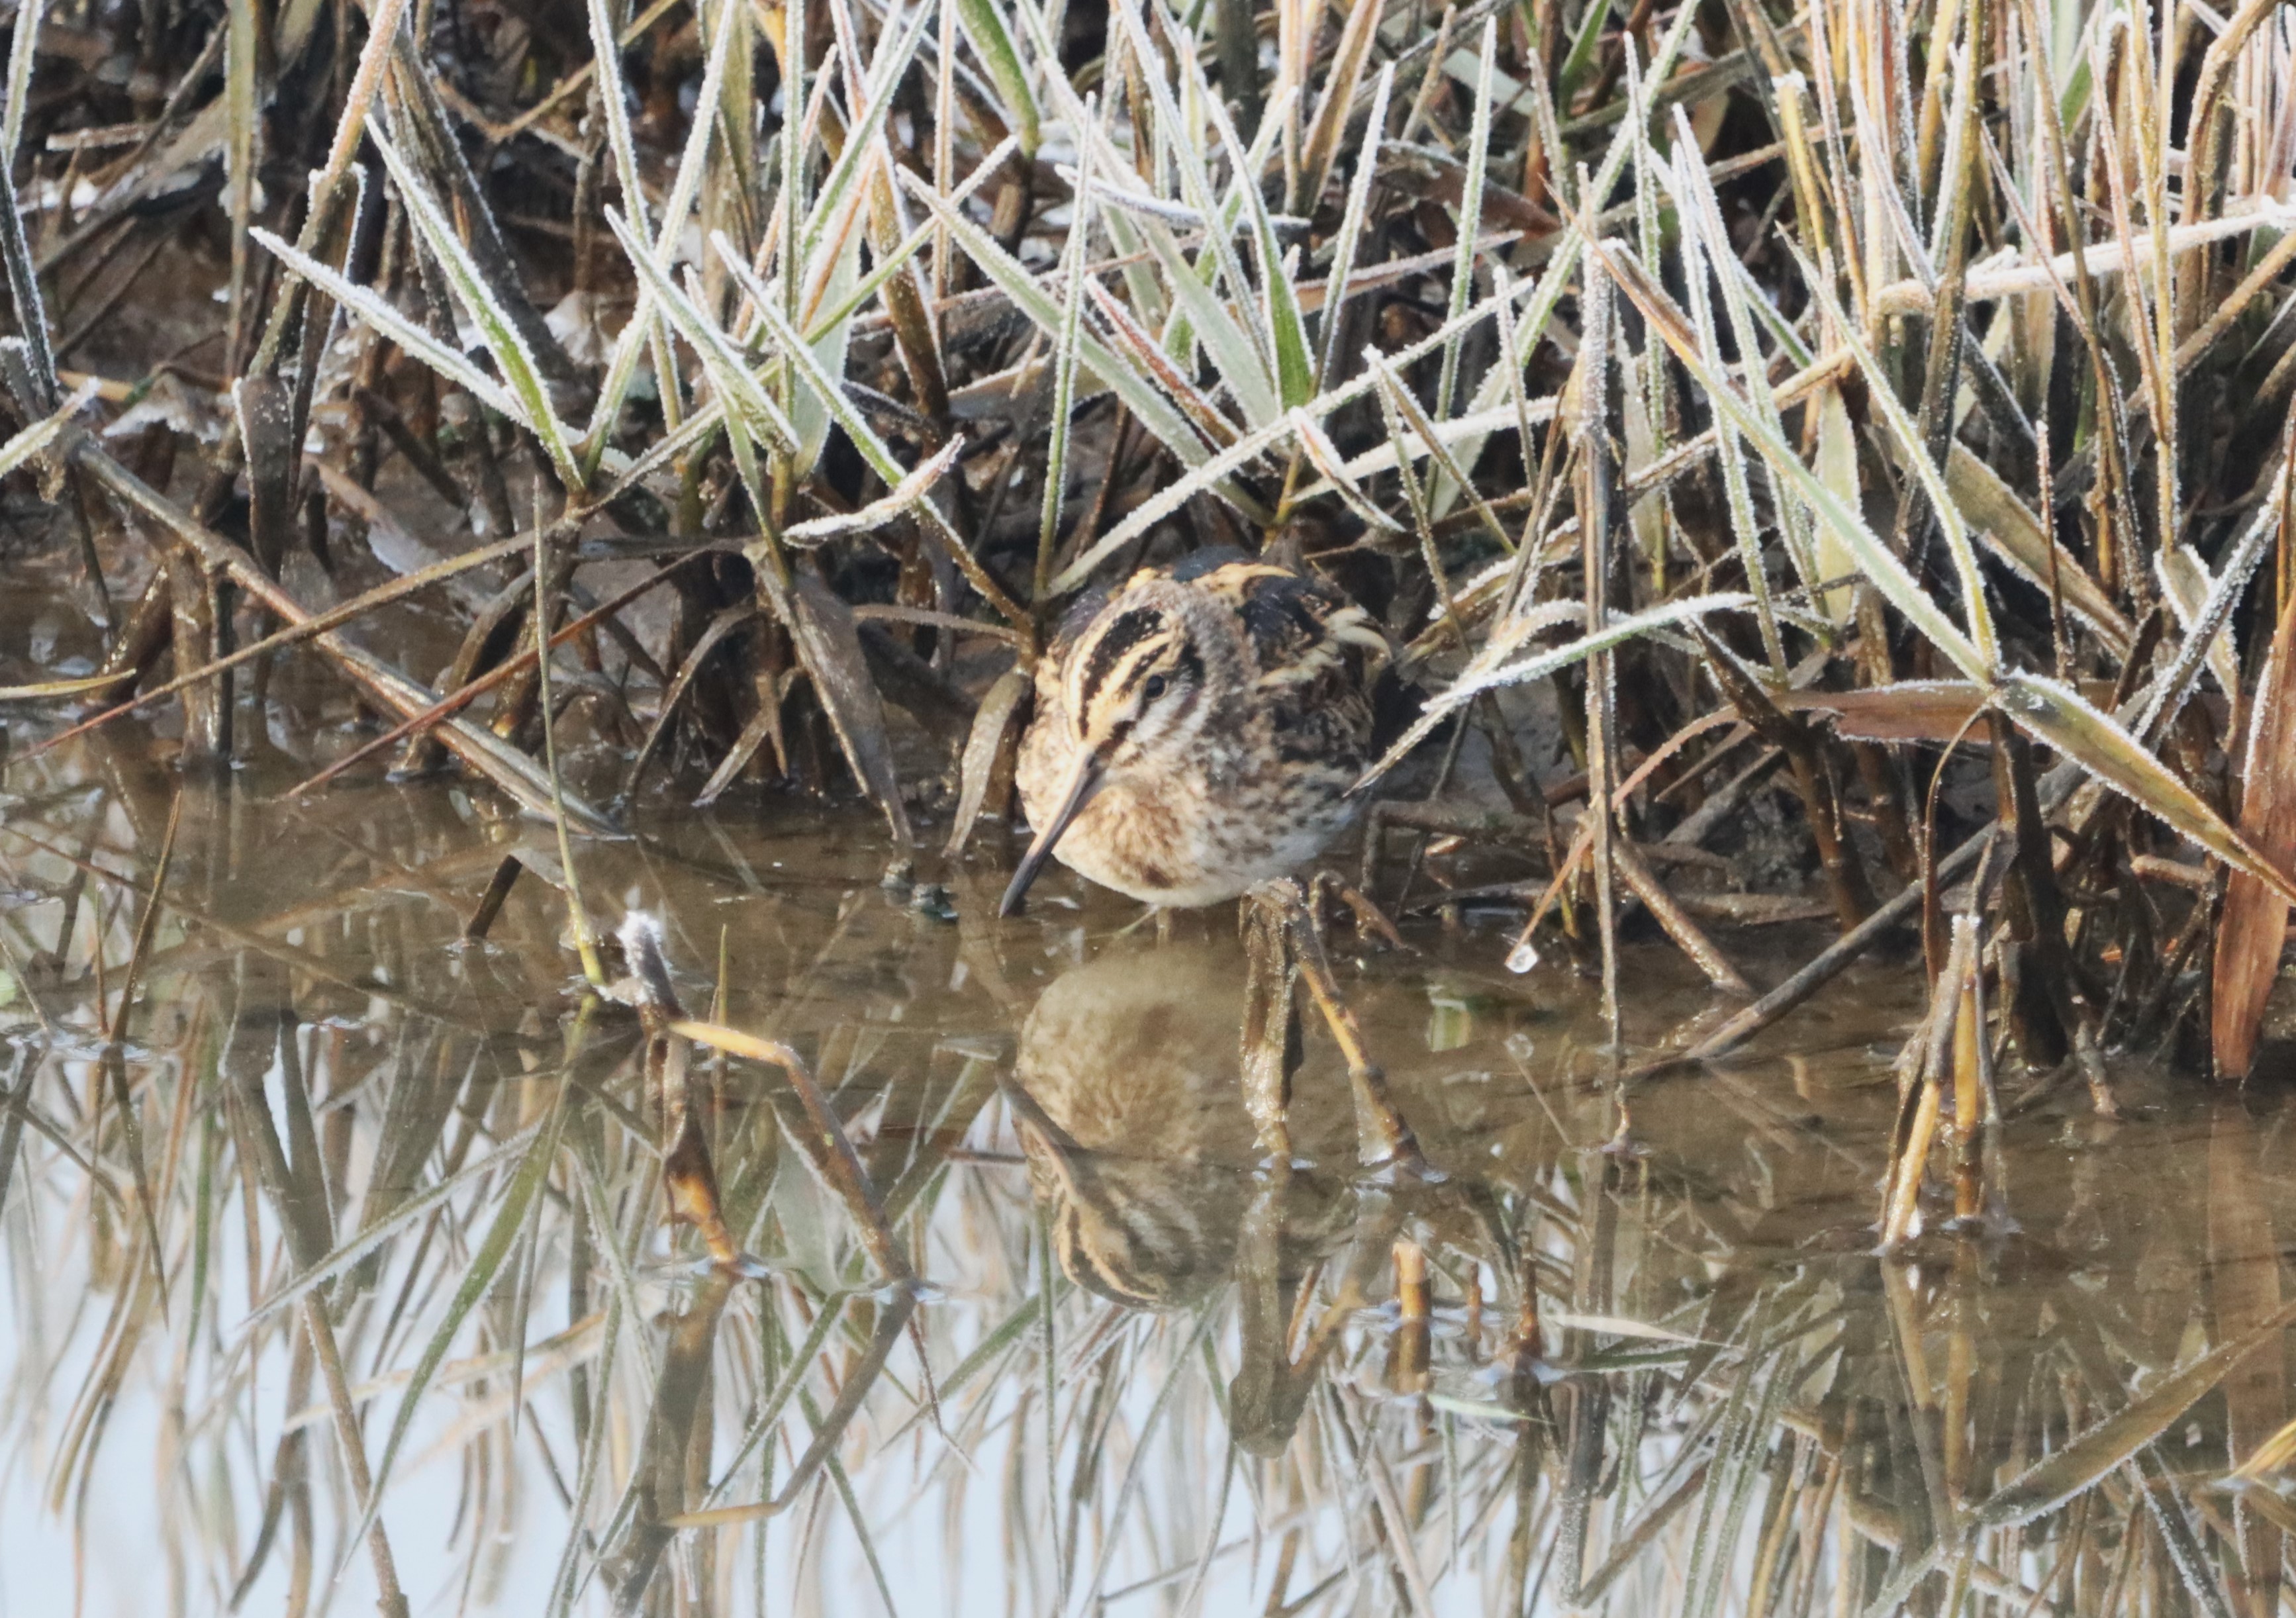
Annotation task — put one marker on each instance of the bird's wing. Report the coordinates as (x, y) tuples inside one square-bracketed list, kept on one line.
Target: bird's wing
[(1301, 630)]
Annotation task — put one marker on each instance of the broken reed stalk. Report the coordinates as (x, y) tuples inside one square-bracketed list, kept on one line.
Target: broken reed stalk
[(1971, 1088), (689, 1174), (578, 916), (1941, 1061), (1408, 1351), (1667, 910), (1269, 1029), (1596, 501), (1828, 963)]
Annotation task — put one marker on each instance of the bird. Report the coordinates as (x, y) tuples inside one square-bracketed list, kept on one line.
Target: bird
[(1198, 730)]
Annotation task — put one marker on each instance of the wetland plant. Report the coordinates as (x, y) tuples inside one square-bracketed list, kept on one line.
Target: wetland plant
[(1826, 471)]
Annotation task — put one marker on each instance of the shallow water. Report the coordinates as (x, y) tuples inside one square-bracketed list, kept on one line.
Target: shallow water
[(324, 1156)]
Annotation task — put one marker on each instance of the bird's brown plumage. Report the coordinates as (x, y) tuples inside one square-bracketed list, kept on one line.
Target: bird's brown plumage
[(1198, 730)]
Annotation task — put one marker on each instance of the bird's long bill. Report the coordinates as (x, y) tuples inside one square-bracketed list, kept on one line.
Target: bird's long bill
[(1082, 785)]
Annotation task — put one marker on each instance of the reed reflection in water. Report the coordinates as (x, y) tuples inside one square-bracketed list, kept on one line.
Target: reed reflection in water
[(310, 1199)]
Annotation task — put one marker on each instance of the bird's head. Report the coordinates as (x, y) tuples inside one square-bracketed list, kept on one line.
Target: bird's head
[(1137, 684)]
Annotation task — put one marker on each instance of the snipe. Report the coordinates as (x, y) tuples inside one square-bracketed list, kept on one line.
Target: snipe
[(1197, 731)]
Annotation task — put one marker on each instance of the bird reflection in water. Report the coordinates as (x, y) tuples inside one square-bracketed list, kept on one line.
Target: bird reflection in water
[(1145, 1162)]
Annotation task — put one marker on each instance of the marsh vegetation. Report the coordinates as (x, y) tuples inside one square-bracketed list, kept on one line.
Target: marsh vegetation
[(526, 529)]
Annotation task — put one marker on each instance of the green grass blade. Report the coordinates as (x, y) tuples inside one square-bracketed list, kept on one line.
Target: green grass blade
[(1914, 456), (747, 403), (1351, 225), (1139, 396), (1208, 317), (496, 327), (840, 188), (1563, 261), (1617, 632), (1189, 162), (1580, 61), (386, 318), (1210, 474), (829, 1313), (1874, 558), (2235, 568), (613, 96), (1470, 210), (983, 21), (23, 279), (1064, 373), (2105, 1447), (1701, 215), (22, 46), (890, 265), (643, 331), (1286, 326), (349, 1252), (2059, 716), (1744, 528), (873, 449)]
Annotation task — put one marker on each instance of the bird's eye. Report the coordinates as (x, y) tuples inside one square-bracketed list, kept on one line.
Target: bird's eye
[(1154, 687)]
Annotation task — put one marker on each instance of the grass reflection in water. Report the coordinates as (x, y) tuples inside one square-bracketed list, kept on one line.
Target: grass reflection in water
[(309, 1197)]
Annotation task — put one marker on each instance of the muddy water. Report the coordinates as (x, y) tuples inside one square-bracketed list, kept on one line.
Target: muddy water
[(304, 1188)]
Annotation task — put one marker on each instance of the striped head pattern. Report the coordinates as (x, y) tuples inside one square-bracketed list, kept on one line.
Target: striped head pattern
[(1141, 680)]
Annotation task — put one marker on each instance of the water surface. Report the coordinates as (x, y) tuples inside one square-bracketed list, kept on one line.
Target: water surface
[(286, 1153)]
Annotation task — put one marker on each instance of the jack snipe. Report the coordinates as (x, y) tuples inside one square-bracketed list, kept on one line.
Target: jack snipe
[(1197, 731)]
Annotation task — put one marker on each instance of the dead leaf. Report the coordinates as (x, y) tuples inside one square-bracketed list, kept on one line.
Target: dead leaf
[(2008, 528), (992, 721), (1837, 468), (266, 428), (2188, 584), (1909, 710), (828, 642)]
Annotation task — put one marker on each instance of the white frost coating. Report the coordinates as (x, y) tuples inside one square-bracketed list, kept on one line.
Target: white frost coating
[(639, 929)]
